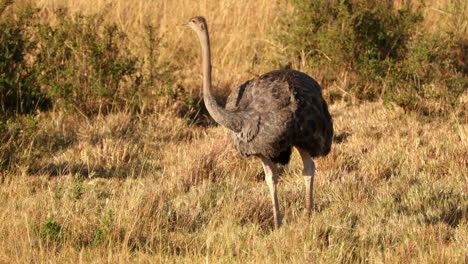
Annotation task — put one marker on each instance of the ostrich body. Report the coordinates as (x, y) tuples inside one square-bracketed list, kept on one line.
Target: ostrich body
[(269, 115)]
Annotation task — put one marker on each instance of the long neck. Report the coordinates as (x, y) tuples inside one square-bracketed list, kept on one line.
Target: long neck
[(219, 114)]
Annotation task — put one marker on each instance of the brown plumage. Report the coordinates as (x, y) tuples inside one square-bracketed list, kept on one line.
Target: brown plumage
[(269, 115), (291, 112)]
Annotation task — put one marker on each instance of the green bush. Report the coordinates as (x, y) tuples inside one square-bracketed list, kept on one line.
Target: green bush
[(19, 92), (364, 37), (384, 50), (431, 78), (77, 63), (86, 66)]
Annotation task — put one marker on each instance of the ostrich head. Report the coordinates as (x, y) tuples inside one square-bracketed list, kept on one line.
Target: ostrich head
[(198, 24)]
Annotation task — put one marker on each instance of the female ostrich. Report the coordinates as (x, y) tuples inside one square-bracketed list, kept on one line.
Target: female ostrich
[(269, 115)]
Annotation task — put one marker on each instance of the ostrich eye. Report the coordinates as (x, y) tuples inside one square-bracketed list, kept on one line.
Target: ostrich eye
[(193, 21)]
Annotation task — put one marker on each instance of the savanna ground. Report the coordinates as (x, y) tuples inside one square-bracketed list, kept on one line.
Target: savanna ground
[(137, 172)]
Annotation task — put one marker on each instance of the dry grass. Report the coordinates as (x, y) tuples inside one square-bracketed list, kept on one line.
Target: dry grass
[(123, 188), (231, 23), (393, 189)]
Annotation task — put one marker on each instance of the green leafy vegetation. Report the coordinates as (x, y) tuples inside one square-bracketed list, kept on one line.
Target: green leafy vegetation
[(383, 48), (85, 66), (19, 91), (51, 231), (78, 63)]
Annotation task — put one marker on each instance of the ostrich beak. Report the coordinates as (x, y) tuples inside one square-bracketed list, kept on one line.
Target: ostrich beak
[(185, 24)]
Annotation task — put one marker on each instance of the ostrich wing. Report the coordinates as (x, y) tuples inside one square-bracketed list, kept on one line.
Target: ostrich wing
[(248, 117), (250, 125)]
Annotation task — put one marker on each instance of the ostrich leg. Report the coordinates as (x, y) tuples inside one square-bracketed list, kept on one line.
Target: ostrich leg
[(271, 178), (308, 173)]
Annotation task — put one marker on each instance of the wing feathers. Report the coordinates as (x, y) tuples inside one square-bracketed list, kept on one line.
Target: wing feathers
[(250, 126)]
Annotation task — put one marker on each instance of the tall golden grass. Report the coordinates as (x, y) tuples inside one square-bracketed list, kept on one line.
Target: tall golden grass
[(239, 31), (122, 188)]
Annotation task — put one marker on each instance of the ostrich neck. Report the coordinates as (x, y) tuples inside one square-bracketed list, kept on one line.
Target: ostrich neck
[(206, 54), (219, 114)]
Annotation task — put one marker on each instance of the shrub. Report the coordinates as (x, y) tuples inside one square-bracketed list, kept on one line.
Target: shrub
[(77, 63), (431, 78), (384, 49), (19, 92), (85, 65)]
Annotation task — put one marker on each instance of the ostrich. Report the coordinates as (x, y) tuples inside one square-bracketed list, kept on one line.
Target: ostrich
[(269, 115)]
